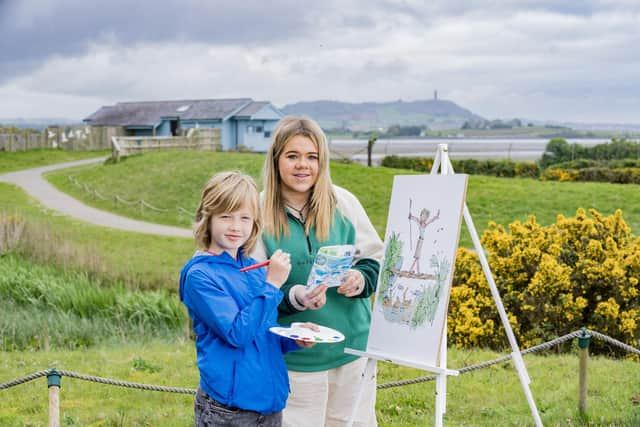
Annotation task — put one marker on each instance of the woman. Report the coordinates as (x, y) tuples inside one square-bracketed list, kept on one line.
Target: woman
[(303, 211)]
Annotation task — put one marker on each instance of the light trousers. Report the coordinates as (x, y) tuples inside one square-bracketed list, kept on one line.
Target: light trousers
[(326, 398)]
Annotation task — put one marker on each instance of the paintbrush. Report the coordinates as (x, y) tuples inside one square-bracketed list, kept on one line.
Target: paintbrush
[(254, 266)]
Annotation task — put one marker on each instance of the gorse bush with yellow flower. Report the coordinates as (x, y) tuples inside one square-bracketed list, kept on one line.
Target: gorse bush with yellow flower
[(580, 271)]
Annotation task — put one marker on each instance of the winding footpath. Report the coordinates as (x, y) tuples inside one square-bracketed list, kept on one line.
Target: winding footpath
[(32, 181)]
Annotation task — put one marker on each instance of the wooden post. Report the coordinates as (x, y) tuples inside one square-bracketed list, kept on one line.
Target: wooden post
[(583, 344), (370, 143), (53, 383)]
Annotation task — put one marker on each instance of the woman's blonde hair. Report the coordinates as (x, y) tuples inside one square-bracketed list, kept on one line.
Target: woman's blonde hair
[(322, 201), (227, 192)]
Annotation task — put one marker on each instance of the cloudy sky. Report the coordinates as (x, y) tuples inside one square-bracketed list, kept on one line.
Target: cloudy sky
[(573, 60)]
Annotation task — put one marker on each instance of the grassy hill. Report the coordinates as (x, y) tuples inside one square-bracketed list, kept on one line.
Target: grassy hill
[(174, 179), (436, 114)]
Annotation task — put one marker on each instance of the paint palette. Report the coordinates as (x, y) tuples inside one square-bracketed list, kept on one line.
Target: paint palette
[(299, 332)]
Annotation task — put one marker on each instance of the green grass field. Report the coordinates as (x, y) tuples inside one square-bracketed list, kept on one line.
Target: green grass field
[(170, 180), (13, 161), (123, 263), (486, 397)]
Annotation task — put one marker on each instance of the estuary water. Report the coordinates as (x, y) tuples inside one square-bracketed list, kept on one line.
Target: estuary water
[(517, 149)]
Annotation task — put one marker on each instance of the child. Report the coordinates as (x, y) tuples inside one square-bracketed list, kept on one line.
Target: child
[(243, 377)]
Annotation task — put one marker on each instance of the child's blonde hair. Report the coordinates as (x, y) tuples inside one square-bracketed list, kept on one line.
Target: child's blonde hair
[(227, 192), (322, 201)]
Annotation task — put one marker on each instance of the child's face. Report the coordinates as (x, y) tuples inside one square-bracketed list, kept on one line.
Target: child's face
[(229, 230)]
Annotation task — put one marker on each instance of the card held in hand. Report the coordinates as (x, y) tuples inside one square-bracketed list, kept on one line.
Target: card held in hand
[(330, 265)]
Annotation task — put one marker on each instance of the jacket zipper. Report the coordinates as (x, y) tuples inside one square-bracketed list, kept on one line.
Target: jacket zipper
[(309, 247)]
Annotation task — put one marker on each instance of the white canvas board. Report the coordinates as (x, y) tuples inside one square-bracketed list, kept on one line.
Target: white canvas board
[(423, 229)]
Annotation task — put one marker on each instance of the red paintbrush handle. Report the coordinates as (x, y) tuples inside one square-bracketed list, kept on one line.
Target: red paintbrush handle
[(258, 265)]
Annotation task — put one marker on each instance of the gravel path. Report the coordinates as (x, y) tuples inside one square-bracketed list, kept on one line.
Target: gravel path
[(32, 181)]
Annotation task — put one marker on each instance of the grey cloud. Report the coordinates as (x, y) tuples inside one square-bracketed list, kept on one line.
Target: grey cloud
[(32, 31), (343, 49), (385, 69)]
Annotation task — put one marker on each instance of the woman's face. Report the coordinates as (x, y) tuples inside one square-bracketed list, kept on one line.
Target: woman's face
[(298, 166)]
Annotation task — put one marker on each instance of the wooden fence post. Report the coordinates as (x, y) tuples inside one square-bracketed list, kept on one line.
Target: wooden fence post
[(53, 383), (370, 143), (583, 344)]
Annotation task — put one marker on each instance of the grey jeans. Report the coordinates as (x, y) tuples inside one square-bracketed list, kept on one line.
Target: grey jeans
[(211, 413)]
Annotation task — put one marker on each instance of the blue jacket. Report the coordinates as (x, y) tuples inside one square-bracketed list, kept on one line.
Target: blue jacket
[(240, 361)]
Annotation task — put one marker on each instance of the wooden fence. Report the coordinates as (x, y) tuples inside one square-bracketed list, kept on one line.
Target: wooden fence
[(196, 139), (72, 138), (23, 141)]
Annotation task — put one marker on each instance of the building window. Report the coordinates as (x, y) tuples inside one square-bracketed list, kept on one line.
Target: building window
[(259, 129), (249, 129), (267, 134)]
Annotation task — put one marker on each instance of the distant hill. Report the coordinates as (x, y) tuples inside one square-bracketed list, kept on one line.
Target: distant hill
[(435, 114), (37, 123)]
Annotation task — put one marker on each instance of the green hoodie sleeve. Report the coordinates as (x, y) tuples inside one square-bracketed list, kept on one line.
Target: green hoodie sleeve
[(369, 269), (369, 246)]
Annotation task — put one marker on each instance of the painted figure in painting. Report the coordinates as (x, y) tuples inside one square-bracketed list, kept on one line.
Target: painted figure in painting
[(423, 221)]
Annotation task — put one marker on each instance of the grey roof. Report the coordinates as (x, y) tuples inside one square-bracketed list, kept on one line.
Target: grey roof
[(251, 109), (149, 114)]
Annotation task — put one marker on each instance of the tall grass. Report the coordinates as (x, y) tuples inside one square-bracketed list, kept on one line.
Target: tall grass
[(45, 308), (139, 261), (11, 230)]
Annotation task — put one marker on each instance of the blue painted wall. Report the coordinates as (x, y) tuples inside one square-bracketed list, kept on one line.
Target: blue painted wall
[(253, 133), (227, 135), (164, 129)]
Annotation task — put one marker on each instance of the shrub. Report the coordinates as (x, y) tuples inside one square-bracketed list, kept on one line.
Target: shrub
[(622, 175), (619, 176), (576, 164), (414, 163), (559, 175), (580, 271), (558, 151), (499, 168), (527, 169)]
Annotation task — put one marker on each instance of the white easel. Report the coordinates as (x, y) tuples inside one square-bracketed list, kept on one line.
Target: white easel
[(443, 163)]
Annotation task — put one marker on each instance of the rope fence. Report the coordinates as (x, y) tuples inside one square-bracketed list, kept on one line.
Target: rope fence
[(54, 376), (117, 199), (463, 370), (488, 363)]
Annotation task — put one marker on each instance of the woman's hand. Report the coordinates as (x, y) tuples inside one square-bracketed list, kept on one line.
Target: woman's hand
[(313, 327), (353, 284), (279, 268), (313, 300)]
